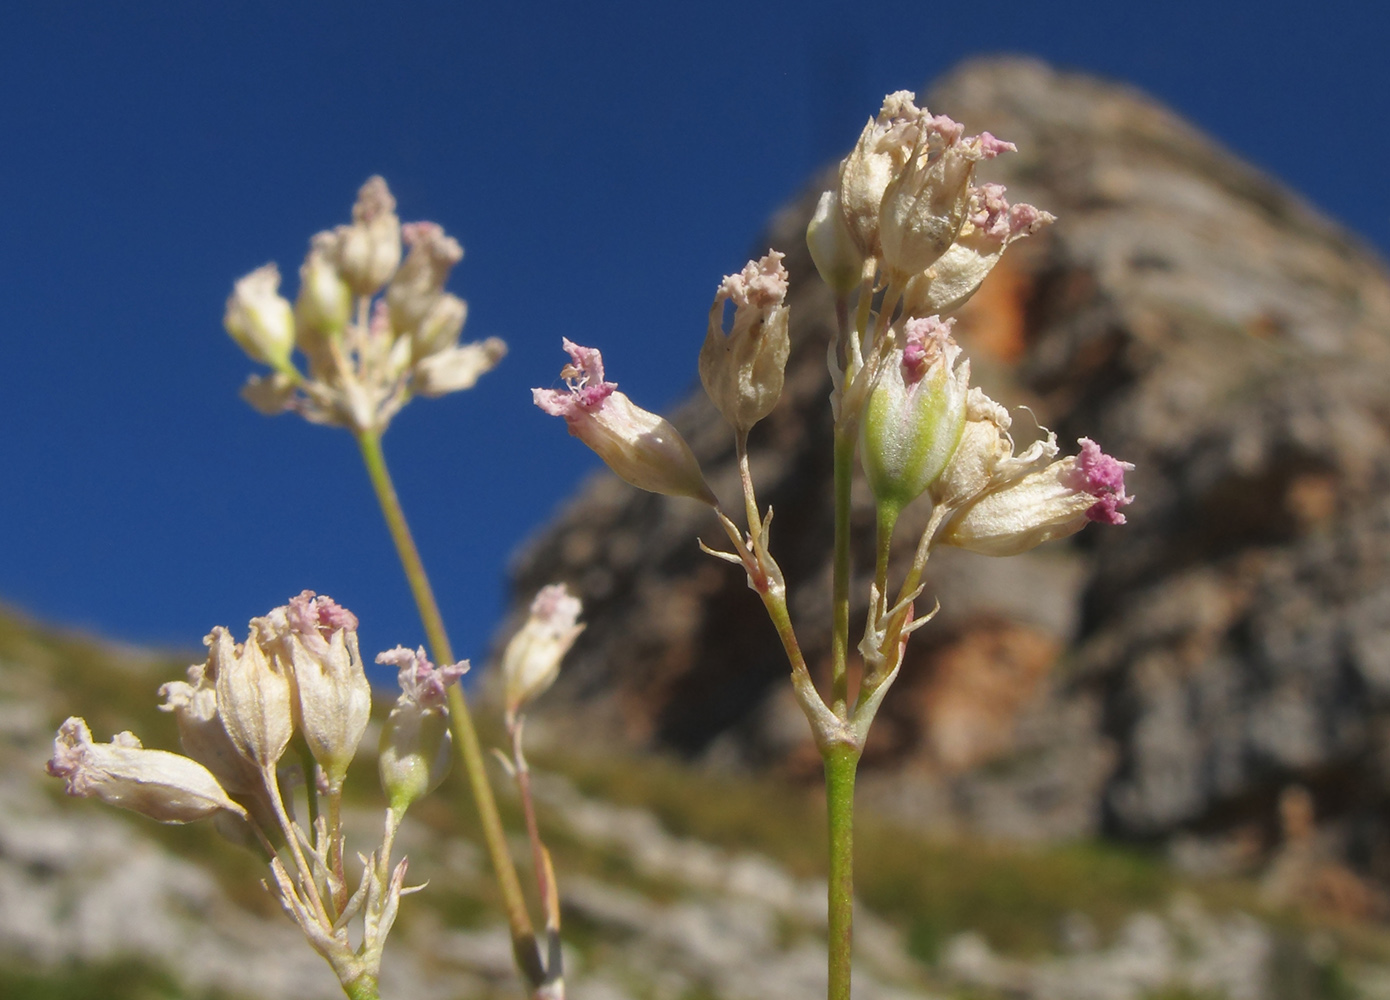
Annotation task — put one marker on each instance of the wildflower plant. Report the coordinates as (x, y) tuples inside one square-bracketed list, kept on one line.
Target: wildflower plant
[(295, 684), (904, 239)]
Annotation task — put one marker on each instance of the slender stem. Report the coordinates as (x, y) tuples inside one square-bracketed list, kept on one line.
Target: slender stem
[(887, 521), (470, 752), (840, 765), (306, 874), (311, 786), (362, 988), (528, 807), (839, 635), (750, 500), (335, 844)]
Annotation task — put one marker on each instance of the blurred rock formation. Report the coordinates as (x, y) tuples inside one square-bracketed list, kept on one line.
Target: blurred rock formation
[(1172, 677)]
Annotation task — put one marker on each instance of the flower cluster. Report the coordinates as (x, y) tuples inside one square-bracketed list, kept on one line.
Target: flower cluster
[(905, 238), (298, 673), (374, 330)]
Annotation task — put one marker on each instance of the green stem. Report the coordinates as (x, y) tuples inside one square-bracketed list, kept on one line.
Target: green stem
[(362, 988), (841, 763), (311, 785), (887, 521), (839, 636), (470, 752)]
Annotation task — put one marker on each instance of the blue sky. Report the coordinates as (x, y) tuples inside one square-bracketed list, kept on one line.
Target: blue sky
[(602, 164)]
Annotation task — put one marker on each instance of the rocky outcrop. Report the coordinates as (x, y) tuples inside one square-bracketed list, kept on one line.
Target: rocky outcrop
[(1174, 675)]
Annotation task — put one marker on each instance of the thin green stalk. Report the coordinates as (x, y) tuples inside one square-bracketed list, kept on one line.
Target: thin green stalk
[(841, 762), (470, 752), (887, 521), (362, 988), (839, 636)]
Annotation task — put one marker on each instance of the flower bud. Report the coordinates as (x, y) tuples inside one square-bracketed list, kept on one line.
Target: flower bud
[(335, 700), (259, 319), (743, 371), (414, 754), (1053, 502), (420, 281), (324, 305), (838, 260), (532, 658), (201, 733), (915, 414), (161, 785), (457, 368), (253, 697), (369, 250), (637, 445)]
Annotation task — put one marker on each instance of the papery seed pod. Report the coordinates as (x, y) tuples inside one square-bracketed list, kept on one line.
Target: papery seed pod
[(324, 305), (202, 735), (457, 368), (420, 280), (161, 785), (837, 259), (335, 700), (260, 319), (531, 661), (641, 447), (743, 371), (440, 328), (925, 205), (253, 697), (865, 174), (991, 226), (369, 250)]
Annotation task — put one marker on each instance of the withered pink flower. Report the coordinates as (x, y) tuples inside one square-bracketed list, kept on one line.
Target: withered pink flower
[(641, 447), (414, 752), (159, 784), (1053, 502)]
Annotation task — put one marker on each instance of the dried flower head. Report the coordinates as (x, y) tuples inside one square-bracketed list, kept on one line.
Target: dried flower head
[(161, 785)]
